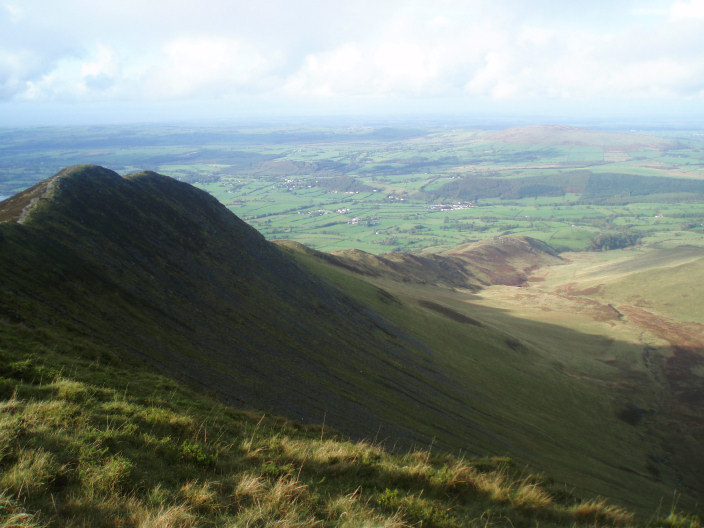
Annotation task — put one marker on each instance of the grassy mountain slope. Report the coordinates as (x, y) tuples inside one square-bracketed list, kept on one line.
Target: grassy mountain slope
[(505, 260), (553, 396), (667, 281), (158, 269), (109, 443), (105, 278), (649, 298)]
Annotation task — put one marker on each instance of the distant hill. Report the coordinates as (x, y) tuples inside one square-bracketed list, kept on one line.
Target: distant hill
[(568, 135), (505, 260)]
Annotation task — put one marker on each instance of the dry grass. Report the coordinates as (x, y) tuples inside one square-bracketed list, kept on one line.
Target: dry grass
[(85, 455), (494, 484), (350, 511), (72, 390), (272, 480), (285, 503), (680, 520), (31, 473), (250, 487), (201, 495), (13, 516), (326, 451), (341, 506), (106, 476), (601, 512), (176, 516)]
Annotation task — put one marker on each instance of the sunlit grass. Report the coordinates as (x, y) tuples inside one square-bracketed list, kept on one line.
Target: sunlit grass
[(150, 458)]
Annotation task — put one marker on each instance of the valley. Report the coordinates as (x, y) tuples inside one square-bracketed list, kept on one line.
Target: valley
[(627, 373), (628, 295), (409, 188)]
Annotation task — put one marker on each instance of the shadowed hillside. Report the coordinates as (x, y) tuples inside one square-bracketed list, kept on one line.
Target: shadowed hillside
[(504, 260), (582, 403), (159, 269)]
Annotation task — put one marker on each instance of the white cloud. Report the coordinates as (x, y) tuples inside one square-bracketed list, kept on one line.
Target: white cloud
[(73, 78), (14, 69), (342, 71), (506, 50), (15, 12), (102, 71), (207, 65), (494, 78), (681, 10)]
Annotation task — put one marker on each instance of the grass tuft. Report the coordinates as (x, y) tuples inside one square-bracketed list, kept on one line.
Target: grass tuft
[(31, 473), (601, 512), (176, 516), (201, 495), (679, 520), (13, 516), (530, 495), (106, 476)]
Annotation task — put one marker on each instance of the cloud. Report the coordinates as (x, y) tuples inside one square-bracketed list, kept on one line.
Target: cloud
[(208, 65), (76, 77), (102, 71), (14, 69), (341, 71), (694, 9), (504, 58), (14, 11), (80, 50)]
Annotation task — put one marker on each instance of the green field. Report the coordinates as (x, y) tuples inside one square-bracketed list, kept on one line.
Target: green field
[(405, 188)]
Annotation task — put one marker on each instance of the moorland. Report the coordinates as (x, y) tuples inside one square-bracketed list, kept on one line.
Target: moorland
[(509, 331)]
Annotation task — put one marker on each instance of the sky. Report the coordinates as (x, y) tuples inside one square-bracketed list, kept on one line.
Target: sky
[(107, 61)]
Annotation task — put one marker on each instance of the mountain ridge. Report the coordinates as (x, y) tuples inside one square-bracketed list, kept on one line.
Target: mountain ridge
[(128, 244), (506, 260)]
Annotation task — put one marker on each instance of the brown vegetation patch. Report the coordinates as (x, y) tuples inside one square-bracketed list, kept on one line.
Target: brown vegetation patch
[(348, 264), (506, 275), (566, 289), (571, 288), (506, 260), (604, 312), (593, 290), (686, 335)]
